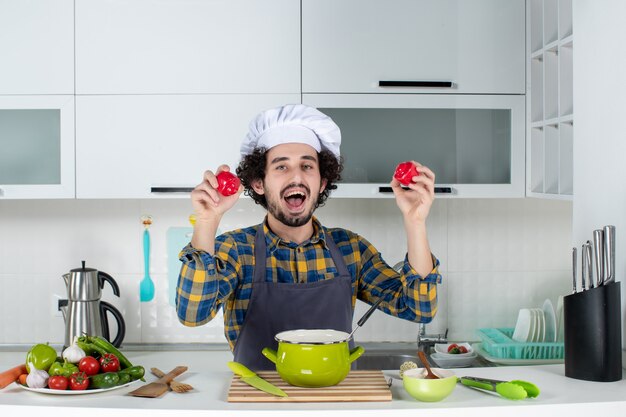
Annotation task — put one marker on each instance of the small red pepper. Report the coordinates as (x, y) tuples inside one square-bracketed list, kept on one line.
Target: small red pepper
[(405, 172), (228, 183)]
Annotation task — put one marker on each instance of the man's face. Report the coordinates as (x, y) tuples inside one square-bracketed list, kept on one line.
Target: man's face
[(292, 183)]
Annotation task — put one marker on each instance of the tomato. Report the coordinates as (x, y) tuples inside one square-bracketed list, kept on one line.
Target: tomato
[(109, 363), (452, 346), (79, 381), (405, 172), (462, 349), (58, 382), (89, 365), (228, 183)]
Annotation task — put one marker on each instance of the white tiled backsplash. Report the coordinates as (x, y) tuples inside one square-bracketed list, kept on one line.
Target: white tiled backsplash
[(496, 256)]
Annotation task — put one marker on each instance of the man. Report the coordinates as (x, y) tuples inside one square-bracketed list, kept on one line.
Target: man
[(309, 276)]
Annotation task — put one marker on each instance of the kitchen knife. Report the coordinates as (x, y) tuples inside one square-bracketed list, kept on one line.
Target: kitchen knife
[(252, 379), (598, 252), (574, 270), (609, 252), (583, 269), (589, 258)]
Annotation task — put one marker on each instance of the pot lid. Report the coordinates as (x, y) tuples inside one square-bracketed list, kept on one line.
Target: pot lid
[(312, 336)]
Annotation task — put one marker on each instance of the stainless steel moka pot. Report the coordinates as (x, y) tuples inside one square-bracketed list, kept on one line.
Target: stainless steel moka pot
[(83, 311)]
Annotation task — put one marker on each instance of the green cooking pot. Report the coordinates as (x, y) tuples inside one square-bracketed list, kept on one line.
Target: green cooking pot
[(313, 358)]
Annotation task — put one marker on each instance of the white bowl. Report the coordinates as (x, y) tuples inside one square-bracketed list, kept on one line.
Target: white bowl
[(453, 361), (442, 348)]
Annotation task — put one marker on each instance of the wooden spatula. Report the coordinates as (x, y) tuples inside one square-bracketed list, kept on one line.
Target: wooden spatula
[(158, 387)]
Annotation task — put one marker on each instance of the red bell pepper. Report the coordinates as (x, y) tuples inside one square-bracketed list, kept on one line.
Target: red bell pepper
[(405, 172), (228, 183)]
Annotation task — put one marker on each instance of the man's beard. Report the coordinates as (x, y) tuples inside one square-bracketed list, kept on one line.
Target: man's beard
[(273, 207)]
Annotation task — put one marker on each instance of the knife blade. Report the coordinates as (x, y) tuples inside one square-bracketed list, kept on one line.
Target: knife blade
[(598, 252), (609, 252), (252, 379)]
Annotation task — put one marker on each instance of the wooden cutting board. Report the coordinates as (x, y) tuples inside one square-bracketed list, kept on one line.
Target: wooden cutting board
[(358, 386)]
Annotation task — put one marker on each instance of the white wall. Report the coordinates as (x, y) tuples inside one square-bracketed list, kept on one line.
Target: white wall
[(496, 255), (599, 132)]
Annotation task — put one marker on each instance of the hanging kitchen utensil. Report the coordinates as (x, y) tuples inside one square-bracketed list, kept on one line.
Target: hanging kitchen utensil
[(609, 252), (513, 390), (158, 387), (146, 286), (252, 379)]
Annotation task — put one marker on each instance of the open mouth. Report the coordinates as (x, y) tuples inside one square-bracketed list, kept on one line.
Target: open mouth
[(295, 200)]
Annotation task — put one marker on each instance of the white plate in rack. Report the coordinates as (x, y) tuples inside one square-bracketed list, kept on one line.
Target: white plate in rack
[(551, 322), (478, 348)]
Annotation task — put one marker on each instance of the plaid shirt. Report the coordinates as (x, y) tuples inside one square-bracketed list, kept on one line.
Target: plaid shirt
[(207, 283)]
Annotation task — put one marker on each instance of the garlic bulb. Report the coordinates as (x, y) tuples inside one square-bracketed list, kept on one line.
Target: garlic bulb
[(37, 378), (73, 354)]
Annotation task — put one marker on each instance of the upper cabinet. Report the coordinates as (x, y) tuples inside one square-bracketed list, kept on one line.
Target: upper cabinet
[(37, 47), (187, 46), (36, 146), (550, 145), (413, 46)]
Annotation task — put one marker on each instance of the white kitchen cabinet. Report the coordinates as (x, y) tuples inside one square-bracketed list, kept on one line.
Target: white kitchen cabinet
[(473, 143), (36, 146), (350, 46), (36, 47), (550, 105), (139, 146), (187, 46)]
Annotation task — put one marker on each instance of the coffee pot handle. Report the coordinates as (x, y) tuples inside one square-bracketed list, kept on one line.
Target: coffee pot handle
[(121, 326), (103, 276)]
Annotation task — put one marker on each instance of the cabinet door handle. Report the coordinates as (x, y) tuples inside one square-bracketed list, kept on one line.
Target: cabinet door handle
[(171, 189), (444, 84), (438, 190)]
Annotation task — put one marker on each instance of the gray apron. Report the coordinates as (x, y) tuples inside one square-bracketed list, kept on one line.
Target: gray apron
[(276, 307)]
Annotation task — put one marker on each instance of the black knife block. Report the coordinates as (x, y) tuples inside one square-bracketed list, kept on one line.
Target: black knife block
[(593, 334)]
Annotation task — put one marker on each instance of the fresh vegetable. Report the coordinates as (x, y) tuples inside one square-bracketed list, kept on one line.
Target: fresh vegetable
[(405, 172), (64, 369), (79, 381), (104, 344), (37, 378), (109, 363), (454, 349), (462, 349), (124, 378), (11, 375), (105, 380), (227, 183), (90, 348), (452, 346), (58, 382), (22, 379), (73, 354), (89, 365), (41, 356), (135, 372)]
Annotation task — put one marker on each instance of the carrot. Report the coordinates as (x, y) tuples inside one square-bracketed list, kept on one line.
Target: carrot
[(22, 379), (11, 375)]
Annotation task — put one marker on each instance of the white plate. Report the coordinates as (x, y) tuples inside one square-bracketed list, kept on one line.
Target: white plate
[(550, 317), (72, 392), (442, 348), (478, 348), (540, 320), (453, 362), (523, 327)]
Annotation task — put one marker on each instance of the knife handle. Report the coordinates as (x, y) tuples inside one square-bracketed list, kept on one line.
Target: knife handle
[(172, 374), (589, 258), (598, 251), (574, 270), (609, 252)]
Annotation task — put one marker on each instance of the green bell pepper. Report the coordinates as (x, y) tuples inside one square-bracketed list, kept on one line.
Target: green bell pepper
[(42, 356), (65, 369)]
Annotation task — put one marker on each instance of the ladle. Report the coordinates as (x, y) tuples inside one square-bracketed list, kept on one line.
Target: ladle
[(366, 316), (429, 373)]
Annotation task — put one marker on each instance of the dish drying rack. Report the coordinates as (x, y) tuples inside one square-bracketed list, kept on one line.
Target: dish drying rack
[(498, 343)]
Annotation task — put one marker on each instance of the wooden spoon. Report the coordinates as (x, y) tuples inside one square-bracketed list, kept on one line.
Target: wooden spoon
[(429, 373)]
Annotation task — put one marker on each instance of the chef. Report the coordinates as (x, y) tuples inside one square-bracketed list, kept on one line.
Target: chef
[(291, 272)]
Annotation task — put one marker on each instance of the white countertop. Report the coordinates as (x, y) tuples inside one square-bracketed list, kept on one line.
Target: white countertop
[(211, 378)]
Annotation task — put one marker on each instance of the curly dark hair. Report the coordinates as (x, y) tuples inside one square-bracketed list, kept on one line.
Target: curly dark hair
[(252, 167)]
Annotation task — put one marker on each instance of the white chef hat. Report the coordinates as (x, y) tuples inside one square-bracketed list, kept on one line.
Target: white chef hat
[(292, 123)]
